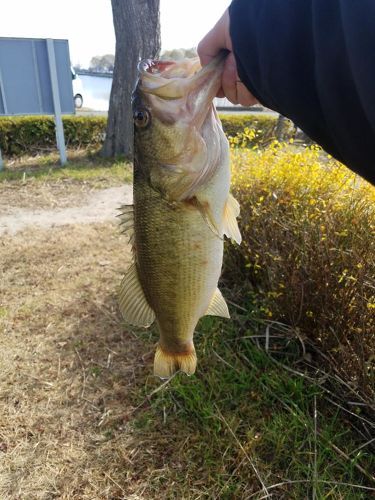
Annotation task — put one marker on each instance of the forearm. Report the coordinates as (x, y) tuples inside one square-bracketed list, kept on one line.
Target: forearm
[(313, 61)]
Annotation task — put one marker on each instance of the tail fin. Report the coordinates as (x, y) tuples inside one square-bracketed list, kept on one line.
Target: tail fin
[(167, 363)]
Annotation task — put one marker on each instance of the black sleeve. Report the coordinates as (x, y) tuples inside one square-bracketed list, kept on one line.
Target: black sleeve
[(314, 62)]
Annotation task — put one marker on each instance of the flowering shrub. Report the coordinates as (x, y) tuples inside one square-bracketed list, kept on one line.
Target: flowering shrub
[(308, 251)]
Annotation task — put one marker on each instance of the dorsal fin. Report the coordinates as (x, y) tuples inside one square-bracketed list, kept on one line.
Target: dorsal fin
[(126, 217)]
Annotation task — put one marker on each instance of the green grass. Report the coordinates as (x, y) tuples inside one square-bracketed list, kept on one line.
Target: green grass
[(244, 420), (88, 168)]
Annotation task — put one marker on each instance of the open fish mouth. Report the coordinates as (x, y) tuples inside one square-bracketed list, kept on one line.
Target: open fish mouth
[(183, 80)]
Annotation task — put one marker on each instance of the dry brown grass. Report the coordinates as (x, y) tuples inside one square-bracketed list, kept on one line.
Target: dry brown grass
[(75, 388), (41, 183), (70, 373), (33, 195)]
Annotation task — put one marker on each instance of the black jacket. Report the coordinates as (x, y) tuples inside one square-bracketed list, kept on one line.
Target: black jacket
[(314, 62)]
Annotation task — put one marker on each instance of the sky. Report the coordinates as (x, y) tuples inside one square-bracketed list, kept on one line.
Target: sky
[(88, 25)]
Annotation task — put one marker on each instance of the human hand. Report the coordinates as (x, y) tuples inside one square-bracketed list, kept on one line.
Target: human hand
[(231, 86)]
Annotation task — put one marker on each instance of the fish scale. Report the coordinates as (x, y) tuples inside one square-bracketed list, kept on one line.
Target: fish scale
[(176, 269)]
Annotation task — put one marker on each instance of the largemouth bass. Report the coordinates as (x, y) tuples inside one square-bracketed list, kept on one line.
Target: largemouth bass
[(182, 207)]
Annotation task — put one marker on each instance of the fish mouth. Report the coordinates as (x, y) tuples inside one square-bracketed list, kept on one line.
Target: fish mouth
[(154, 67), (183, 80), (205, 86)]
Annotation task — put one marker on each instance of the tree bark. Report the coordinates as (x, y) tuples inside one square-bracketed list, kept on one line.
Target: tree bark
[(137, 30), (280, 126)]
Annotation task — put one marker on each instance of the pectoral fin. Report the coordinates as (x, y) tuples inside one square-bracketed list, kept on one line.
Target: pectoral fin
[(205, 212), (231, 212), (132, 301), (218, 306)]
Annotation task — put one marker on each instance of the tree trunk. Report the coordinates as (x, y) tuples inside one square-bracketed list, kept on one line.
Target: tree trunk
[(280, 126), (137, 30)]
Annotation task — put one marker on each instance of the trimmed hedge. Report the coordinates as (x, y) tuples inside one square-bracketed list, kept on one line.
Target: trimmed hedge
[(265, 125), (28, 135), (35, 134)]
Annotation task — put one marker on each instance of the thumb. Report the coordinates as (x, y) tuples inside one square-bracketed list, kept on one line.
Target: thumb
[(215, 40)]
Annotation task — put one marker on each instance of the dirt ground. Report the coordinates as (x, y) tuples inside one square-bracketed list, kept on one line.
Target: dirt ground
[(52, 195), (71, 374), (51, 206), (70, 371)]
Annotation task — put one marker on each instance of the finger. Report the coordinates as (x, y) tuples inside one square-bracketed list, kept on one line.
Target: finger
[(215, 40), (208, 48), (229, 79), (244, 97)]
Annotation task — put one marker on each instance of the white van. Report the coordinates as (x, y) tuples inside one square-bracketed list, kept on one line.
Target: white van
[(77, 89)]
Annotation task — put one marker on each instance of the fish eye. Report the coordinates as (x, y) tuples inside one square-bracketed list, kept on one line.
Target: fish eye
[(141, 118)]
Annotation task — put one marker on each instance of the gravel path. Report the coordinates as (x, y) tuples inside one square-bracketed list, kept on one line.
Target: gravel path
[(98, 207)]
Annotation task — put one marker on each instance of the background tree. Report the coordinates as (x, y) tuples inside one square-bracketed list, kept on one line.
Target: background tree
[(177, 54), (137, 30), (102, 64)]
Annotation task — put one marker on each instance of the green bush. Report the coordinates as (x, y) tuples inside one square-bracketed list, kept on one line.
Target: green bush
[(234, 124), (36, 134), (28, 135)]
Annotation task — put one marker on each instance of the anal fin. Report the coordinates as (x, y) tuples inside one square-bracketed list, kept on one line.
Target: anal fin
[(132, 301), (218, 306), (231, 212)]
